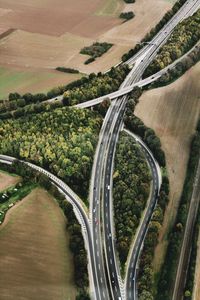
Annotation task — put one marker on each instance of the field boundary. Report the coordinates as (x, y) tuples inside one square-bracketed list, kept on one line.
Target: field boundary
[(6, 33)]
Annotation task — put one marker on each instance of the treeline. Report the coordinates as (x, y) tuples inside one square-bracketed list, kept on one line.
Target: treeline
[(10, 196), (76, 241), (149, 36), (127, 15), (62, 141), (31, 109), (147, 134), (97, 86), (103, 107), (95, 50), (78, 91), (54, 92), (131, 187), (179, 69), (168, 273), (146, 276), (182, 39), (67, 70), (129, 1), (76, 246), (189, 286)]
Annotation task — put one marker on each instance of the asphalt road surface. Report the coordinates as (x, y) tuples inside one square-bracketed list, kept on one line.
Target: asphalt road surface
[(99, 234)]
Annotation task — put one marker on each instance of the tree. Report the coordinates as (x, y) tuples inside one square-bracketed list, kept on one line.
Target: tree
[(83, 295), (188, 294), (14, 96)]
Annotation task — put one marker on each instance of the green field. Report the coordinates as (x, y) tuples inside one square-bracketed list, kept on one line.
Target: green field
[(110, 8), (13, 80), (170, 1)]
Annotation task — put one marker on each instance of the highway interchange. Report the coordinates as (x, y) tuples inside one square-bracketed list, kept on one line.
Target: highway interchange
[(103, 163), (98, 228)]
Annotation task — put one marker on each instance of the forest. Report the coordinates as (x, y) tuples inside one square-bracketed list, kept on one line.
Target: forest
[(147, 134), (146, 276), (179, 69), (131, 187), (182, 39), (62, 141), (86, 88), (146, 284), (97, 86)]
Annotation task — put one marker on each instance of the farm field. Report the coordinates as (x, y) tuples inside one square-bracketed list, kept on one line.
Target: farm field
[(173, 112), (35, 259), (7, 180), (22, 80), (62, 30)]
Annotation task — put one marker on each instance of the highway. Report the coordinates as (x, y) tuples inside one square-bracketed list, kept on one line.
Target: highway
[(98, 230), (80, 213), (181, 274), (131, 274), (141, 83), (184, 12), (103, 164)]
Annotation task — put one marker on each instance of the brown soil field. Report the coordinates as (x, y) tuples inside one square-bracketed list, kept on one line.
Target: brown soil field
[(34, 255), (48, 36), (173, 112), (128, 34), (52, 18), (7, 180)]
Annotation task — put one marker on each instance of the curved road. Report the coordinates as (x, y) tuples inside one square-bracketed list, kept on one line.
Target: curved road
[(131, 274), (140, 83), (105, 150), (78, 210), (101, 182)]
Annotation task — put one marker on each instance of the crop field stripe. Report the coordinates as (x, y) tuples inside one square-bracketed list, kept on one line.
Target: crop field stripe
[(110, 8)]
